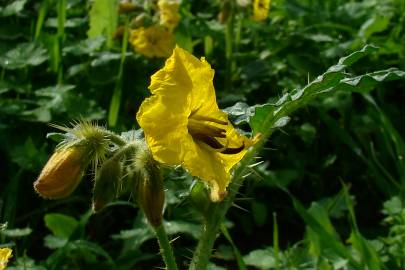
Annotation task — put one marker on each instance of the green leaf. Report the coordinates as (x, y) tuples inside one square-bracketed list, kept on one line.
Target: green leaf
[(85, 47), (259, 211), (373, 25), (212, 266), (179, 226), (368, 254), (326, 237), (239, 113), (262, 113), (261, 258), (103, 19), (365, 83), (71, 23), (238, 255), (24, 55), (91, 247), (12, 9), (61, 225), (24, 263), (16, 233), (54, 242), (393, 206), (29, 156), (270, 116), (136, 236)]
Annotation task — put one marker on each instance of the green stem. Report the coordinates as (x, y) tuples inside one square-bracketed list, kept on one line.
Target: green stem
[(165, 248), (212, 225), (60, 37), (116, 98), (229, 34), (115, 138)]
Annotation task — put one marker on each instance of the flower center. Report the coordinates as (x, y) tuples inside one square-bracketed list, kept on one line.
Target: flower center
[(202, 129)]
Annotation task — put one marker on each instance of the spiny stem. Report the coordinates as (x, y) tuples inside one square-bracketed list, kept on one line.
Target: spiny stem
[(115, 138), (165, 248), (203, 251)]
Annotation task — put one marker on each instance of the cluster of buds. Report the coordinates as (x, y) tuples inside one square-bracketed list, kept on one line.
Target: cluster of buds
[(116, 161)]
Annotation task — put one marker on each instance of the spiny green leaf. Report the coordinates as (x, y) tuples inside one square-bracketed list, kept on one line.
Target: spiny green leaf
[(269, 116), (239, 113), (365, 83)]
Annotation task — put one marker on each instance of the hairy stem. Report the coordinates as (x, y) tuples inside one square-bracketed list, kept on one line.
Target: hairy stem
[(165, 248), (212, 225)]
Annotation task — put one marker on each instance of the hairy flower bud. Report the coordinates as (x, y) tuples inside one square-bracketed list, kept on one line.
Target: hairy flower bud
[(62, 173), (149, 187), (107, 183), (200, 197)]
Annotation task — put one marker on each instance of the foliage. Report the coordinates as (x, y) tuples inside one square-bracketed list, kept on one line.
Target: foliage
[(326, 192)]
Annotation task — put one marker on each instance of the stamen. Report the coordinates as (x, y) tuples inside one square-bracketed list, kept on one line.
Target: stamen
[(209, 119), (206, 133), (230, 151), (210, 141), (196, 127)]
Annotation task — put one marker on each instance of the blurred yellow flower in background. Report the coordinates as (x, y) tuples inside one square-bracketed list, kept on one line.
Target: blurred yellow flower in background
[(260, 9), (5, 255), (153, 41), (169, 13), (184, 126)]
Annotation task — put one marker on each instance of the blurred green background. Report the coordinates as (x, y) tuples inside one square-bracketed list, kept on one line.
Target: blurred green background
[(341, 157)]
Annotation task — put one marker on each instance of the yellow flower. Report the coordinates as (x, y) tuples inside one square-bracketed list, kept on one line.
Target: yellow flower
[(154, 41), (260, 9), (5, 255), (183, 124), (169, 13)]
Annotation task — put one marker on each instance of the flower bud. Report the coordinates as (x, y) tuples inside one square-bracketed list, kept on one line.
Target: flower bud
[(200, 197), (62, 173), (107, 183), (225, 12), (149, 188), (119, 32), (126, 7), (139, 20)]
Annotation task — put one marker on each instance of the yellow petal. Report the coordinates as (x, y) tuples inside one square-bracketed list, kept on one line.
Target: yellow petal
[(153, 41), (260, 9), (184, 89), (169, 15), (5, 255), (164, 115), (202, 162)]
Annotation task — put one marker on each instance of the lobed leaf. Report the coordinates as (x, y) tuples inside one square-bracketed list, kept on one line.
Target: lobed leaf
[(269, 116)]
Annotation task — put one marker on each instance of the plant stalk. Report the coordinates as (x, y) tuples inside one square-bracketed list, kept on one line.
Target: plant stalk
[(212, 225), (165, 248), (229, 47)]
